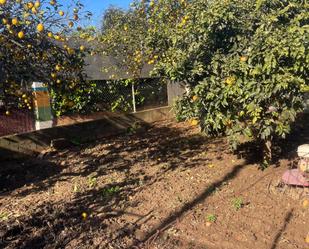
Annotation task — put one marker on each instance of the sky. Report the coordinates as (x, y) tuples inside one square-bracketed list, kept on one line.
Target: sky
[(97, 7)]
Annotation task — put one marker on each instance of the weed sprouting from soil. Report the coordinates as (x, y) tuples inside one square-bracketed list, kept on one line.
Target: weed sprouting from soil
[(237, 203), (211, 218)]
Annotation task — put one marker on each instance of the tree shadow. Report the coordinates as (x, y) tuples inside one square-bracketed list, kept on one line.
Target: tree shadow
[(57, 224), (286, 221), (60, 223), (167, 222), (282, 148), (16, 173), (299, 135), (154, 146)]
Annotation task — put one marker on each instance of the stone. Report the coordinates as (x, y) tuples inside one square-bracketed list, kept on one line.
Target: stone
[(45, 153), (303, 151), (303, 165), (294, 177)]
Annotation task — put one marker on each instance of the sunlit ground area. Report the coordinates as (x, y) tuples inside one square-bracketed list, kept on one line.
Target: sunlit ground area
[(168, 187)]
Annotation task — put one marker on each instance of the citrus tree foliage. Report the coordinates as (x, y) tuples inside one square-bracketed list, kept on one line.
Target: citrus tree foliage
[(166, 20), (245, 62), (34, 46), (88, 34), (136, 38), (123, 37), (142, 34)]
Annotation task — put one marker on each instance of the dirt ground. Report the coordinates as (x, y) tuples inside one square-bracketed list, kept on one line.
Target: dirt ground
[(166, 188)]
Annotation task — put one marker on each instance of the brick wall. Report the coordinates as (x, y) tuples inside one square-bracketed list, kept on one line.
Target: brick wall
[(19, 121)]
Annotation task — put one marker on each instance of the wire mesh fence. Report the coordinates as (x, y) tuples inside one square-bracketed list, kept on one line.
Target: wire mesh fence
[(131, 96), (16, 116), (111, 96), (151, 93), (18, 121)]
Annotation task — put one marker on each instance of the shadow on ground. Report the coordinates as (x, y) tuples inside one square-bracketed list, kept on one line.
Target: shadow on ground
[(16, 173), (282, 148), (60, 224)]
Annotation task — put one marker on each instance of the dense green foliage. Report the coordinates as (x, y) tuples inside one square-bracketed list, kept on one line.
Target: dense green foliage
[(34, 47), (123, 38), (245, 63)]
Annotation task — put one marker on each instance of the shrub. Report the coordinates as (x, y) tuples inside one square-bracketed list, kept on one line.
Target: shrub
[(246, 63)]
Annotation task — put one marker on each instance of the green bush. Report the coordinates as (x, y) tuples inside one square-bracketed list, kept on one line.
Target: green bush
[(246, 63)]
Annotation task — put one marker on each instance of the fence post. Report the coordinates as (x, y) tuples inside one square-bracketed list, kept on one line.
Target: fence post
[(43, 112), (306, 102), (174, 90), (133, 97)]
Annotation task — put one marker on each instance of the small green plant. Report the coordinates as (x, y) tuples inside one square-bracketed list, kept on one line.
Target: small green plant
[(134, 127), (237, 203), (76, 188), (4, 216), (108, 192), (92, 181), (211, 218)]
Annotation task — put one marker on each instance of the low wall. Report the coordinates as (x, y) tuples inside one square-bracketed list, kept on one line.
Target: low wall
[(34, 142)]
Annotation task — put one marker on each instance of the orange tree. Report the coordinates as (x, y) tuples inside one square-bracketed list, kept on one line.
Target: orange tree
[(245, 64), (143, 33), (34, 46), (123, 37), (137, 38)]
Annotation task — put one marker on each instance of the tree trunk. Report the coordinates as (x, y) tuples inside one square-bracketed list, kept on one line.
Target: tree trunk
[(267, 151)]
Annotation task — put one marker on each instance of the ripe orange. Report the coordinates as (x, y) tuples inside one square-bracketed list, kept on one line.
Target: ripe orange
[(34, 10), (194, 98), (305, 203), (21, 34), (40, 27), (194, 122), (307, 239), (15, 21), (243, 58), (37, 4), (30, 5), (58, 67)]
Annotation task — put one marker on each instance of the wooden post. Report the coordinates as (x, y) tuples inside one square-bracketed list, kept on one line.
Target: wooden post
[(174, 90), (133, 97)]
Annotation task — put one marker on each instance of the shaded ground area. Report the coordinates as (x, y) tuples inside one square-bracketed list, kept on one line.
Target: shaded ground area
[(168, 187)]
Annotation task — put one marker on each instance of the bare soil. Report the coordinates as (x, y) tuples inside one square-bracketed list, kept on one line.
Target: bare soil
[(167, 187)]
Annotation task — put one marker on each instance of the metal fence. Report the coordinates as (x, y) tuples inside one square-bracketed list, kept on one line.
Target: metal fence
[(18, 121), (131, 97), (110, 96), (151, 93)]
